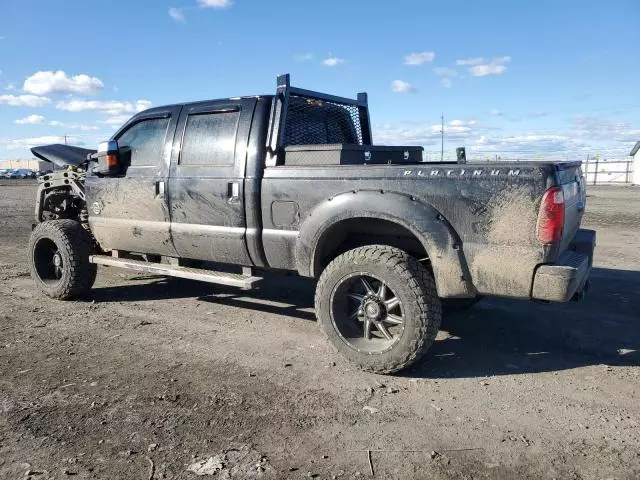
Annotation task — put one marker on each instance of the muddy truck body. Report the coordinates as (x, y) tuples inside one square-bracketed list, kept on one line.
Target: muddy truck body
[(291, 182)]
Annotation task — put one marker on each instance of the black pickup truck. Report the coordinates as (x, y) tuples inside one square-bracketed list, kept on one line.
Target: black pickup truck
[(292, 182)]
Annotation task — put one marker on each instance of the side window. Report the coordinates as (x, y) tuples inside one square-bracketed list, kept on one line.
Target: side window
[(210, 138), (146, 141)]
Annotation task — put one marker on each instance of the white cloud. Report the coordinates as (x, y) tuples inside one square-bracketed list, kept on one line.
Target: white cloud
[(495, 112), (332, 61), (470, 61), (117, 120), (177, 15), (486, 143), (30, 120), (495, 67), (10, 87), (84, 128), (409, 133), (111, 107), (215, 3), (44, 140), (73, 126), (484, 70), (303, 57), (142, 105), (583, 135), (534, 138), (48, 82), (24, 100), (400, 86), (504, 59), (446, 82), (603, 129), (445, 72), (532, 145), (457, 127), (419, 58)]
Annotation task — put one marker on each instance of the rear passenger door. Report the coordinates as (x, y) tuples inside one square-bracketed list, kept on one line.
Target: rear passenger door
[(206, 181)]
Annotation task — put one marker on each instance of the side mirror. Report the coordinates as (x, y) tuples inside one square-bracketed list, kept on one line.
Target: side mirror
[(108, 159)]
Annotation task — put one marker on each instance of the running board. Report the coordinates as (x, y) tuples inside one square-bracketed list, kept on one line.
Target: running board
[(221, 278)]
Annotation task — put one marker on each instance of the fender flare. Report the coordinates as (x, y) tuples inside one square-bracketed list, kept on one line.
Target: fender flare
[(425, 222)]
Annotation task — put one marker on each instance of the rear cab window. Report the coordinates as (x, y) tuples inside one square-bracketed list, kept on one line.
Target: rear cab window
[(210, 138)]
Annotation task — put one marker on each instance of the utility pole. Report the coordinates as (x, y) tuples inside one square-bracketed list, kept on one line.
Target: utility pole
[(442, 138), (65, 139)]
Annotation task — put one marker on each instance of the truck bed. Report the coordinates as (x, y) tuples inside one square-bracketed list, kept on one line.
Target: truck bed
[(491, 208)]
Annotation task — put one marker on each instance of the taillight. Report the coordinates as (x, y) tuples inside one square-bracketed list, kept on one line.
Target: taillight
[(551, 216)]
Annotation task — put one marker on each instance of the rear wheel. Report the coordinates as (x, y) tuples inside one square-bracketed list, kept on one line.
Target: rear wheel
[(379, 308), (59, 259)]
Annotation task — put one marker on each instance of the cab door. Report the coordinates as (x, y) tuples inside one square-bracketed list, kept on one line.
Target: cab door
[(206, 181), (130, 212)]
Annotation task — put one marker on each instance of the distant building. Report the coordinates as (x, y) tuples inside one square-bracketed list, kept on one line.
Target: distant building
[(635, 153), (31, 164)]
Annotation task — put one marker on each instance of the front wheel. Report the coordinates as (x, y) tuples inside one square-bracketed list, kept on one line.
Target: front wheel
[(379, 307), (59, 259)]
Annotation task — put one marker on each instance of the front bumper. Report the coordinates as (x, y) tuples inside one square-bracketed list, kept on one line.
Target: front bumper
[(569, 277)]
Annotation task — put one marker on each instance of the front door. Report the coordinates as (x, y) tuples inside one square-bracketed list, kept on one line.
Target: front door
[(206, 181), (130, 212)]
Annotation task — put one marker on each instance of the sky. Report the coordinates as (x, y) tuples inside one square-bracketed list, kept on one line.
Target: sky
[(513, 79)]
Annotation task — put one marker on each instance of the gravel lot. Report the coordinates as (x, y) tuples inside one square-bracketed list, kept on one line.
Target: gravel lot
[(149, 377)]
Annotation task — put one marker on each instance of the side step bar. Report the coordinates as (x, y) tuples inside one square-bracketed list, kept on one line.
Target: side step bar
[(245, 282)]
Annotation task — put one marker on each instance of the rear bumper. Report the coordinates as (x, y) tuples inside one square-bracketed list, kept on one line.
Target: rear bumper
[(569, 277)]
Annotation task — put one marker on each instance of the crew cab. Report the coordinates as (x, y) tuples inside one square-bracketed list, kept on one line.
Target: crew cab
[(292, 182)]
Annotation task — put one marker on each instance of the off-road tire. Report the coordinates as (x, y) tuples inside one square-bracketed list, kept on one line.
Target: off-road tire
[(410, 281), (73, 244)]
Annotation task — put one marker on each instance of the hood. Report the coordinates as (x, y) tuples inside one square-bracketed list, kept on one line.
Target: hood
[(62, 155)]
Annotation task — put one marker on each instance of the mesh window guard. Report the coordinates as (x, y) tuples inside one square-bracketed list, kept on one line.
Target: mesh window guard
[(312, 122)]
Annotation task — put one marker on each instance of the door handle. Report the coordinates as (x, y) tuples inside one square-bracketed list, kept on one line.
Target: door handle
[(233, 190), (160, 188)]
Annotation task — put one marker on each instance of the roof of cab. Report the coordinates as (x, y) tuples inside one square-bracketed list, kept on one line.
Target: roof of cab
[(199, 102)]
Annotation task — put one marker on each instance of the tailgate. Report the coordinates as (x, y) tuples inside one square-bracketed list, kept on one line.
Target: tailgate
[(573, 186)]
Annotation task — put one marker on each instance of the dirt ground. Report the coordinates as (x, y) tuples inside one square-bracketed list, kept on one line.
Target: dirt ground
[(155, 378)]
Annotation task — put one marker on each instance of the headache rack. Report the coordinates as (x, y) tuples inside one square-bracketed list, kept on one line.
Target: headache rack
[(303, 117)]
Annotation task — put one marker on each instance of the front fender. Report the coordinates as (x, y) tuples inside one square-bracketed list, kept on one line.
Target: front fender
[(427, 224)]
